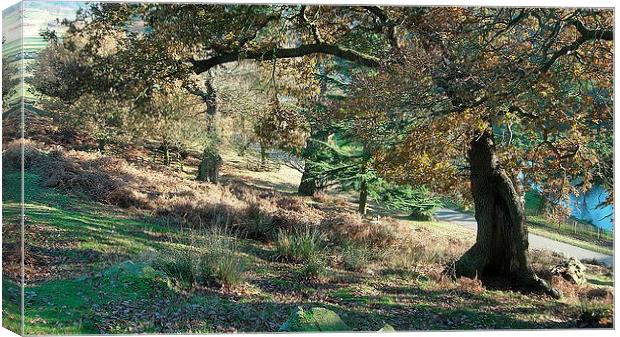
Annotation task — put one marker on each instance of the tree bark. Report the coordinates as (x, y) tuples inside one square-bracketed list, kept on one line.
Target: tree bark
[(363, 188), (166, 154), (360, 58), (209, 169), (101, 143), (307, 186), (363, 197), (501, 248)]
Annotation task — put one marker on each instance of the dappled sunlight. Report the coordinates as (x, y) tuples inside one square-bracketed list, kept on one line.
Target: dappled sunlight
[(245, 168)]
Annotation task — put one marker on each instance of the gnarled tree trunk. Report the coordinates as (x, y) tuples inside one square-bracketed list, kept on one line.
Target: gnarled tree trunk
[(501, 248), (209, 169)]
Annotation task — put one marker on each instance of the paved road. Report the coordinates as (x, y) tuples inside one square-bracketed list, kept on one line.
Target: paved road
[(536, 241)]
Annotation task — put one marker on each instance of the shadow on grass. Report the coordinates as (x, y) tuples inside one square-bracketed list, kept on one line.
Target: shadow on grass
[(121, 301)]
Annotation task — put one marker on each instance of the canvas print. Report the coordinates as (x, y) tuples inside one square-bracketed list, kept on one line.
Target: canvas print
[(219, 168)]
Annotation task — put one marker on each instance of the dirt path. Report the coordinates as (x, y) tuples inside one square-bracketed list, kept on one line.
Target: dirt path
[(286, 179), (536, 241)]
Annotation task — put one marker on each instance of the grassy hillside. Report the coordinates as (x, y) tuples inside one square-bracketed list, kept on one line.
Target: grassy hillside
[(94, 267)]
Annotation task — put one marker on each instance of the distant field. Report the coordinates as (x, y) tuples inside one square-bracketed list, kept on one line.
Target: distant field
[(33, 43)]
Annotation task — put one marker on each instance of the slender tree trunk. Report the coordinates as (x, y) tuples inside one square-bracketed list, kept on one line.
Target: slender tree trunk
[(542, 205), (263, 157), (166, 154), (180, 159), (363, 189), (307, 186), (211, 161), (363, 197), (501, 248), (101, 143)]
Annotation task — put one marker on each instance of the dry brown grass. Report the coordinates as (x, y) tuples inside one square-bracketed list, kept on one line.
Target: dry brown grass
[(355, 228), (256, 212), (329, 200), (582, 293), (605, 294), (471, 285)]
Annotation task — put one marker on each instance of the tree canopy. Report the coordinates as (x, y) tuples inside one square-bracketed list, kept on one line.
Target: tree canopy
[(478, 102)]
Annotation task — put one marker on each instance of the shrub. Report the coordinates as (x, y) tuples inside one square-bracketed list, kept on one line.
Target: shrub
[(12, 155), (419, 201), (299, 246), (32, 156)]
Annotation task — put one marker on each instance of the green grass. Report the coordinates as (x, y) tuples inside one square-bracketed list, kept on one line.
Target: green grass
[(217, 259), (79, 306), (299, 245), (92, 226), (538, 225), (107, 283), (594, 246), (601, 280), (11, 318), (97, 238), (444, 228)]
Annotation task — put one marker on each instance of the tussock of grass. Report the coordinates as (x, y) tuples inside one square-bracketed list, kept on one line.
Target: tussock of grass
[(305, 246), (357, 257), (313, 268), (212, 259), (417, 253), (299, 245), (260, 226)]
